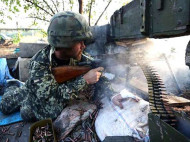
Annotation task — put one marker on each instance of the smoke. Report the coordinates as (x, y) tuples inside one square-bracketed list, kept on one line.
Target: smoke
[(170, 62), (167, 56), (127, 75)]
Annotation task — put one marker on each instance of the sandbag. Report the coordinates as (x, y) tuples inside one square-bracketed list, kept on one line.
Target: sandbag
[(72, 116)]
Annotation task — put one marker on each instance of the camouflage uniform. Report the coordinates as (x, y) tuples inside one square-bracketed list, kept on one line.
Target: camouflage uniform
[(42, 97)]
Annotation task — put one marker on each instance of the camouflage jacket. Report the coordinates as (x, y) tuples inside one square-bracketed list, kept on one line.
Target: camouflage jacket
[(46, 96)]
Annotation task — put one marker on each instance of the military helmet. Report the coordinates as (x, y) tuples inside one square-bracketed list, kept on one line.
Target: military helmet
[(66, 28)]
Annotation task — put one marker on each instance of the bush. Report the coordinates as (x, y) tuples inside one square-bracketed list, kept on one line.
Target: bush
[(17, 38)]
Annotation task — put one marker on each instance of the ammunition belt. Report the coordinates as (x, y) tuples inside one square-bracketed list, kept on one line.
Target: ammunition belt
[(156, 91)]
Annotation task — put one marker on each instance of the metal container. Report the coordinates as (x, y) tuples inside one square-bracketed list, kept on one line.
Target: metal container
[(41, 123)]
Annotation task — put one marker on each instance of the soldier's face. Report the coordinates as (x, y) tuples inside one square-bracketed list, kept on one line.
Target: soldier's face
[(74, 52), (77, 50)]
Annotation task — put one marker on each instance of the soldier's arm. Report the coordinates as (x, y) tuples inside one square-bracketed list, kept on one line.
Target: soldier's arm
[(103, 86), (44, 81)]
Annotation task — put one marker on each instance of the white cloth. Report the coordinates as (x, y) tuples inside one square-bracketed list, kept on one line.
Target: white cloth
[(129, 121), (126, 94)]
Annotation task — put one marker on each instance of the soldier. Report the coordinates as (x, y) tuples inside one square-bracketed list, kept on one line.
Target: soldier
[(42, 97)]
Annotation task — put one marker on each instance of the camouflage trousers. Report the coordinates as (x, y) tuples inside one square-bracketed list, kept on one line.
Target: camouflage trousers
[(31, 109), (17, 98), (14, 99)]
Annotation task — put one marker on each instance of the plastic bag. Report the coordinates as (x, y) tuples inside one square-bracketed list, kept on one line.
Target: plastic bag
[(4, 71)]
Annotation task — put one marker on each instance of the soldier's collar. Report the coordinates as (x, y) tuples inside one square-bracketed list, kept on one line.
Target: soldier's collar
[(52, 50)]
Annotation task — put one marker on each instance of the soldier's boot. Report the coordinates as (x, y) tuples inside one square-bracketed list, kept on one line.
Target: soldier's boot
[(27, 115), (7, 106), (11, 98)]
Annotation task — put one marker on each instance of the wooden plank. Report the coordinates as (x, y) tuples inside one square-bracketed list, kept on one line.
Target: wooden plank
[(175, 101), (139, 84)]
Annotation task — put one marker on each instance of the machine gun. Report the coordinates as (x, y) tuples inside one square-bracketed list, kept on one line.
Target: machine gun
[(65, 73)]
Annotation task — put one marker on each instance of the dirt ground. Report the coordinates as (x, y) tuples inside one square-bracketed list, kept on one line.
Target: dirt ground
[(17, 132), (8, 51)]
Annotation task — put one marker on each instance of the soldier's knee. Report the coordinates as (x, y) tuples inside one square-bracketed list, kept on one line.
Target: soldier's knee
[(27, 114)]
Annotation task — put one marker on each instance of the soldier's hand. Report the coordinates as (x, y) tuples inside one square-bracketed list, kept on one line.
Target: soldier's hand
[(93, 75)]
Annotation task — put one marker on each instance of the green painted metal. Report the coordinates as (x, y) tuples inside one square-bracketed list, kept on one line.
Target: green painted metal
[(169, 17), (119, 139), (183, 123), (151, 18), (41, 123), (127, 21), (159, 131)]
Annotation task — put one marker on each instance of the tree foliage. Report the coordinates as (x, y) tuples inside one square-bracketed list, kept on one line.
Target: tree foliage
[(43, 10), (17, 38), (8, 5)]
